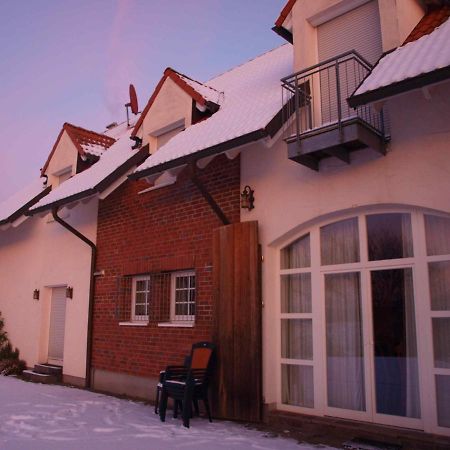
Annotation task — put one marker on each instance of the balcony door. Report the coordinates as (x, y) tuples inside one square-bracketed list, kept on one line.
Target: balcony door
[(360, 30)]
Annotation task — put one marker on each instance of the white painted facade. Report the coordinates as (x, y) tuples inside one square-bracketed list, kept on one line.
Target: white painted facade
[(292, 200), (41, 254)]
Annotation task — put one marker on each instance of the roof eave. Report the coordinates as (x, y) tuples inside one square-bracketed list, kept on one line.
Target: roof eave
[(24, 209), (285, 34), (135, 160), (400, 87), (210, 151)]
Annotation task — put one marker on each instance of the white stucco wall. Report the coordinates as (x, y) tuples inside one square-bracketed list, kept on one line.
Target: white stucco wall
[(289, 196), (40, 254)]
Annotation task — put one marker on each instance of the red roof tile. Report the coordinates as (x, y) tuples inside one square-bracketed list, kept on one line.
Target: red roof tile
[(80, 137), (285, 12), (432, 19)]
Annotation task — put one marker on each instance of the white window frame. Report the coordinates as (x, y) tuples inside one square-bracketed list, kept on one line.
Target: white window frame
[(140, 318), (179, 319)]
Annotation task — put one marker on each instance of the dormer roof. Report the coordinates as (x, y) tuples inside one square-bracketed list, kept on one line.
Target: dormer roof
[(87, 142), (416, 64), (201, 93), (101, 178), (250, 111)]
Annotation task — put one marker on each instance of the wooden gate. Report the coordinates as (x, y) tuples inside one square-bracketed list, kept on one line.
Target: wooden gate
[(237, 389)]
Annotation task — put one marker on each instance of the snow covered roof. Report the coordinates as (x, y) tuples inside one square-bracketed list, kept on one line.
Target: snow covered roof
[(248, 112), (112, 164), (86, 142), (414, 65), (204, 95), (16, 205), (207, 92)]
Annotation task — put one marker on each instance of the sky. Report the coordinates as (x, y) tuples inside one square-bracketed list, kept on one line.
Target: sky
[(72, 61)]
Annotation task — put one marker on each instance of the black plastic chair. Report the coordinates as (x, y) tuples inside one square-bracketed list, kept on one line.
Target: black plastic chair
[(175, 372), (190, 385)]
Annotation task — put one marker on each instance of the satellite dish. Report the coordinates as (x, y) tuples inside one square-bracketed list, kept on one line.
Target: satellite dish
[(133, 100)]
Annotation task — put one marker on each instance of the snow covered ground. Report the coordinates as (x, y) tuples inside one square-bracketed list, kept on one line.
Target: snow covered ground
[(44, 417)]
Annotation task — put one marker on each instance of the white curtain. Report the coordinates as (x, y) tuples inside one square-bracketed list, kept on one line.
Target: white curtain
[(339, 242), (297, 385), (345, 357)]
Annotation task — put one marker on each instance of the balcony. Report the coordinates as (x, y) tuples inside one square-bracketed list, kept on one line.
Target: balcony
[(319, 122)]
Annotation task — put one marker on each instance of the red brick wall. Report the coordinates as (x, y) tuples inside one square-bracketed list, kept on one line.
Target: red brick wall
[(167, 229)]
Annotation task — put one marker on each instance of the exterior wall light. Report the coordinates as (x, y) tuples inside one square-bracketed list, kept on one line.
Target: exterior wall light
[(69, 292), (247, 198), (36, 294)]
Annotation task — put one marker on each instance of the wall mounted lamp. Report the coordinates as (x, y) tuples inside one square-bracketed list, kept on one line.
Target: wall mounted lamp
[(69, 292), (247, 198), (36, 294)]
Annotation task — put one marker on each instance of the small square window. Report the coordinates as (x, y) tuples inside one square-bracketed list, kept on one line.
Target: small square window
[(140, 298), (182, 298)]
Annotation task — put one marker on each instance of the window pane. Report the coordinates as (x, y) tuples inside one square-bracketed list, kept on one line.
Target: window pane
[(296, 293), (438, 235), (439, 285), (297, 385), (339, 242), (181, 296), (389, 236), (297, 254), (443, 400), (395, 343), (141, 298), (181, 309), (140, 310), (141, 285), (441, 342), (296, 338), (345, 354)]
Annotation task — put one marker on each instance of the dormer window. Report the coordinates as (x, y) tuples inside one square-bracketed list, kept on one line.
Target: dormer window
[(161, 136), (60, 176)]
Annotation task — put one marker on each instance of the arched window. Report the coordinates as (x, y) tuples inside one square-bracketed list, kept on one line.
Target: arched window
[(365, 318)]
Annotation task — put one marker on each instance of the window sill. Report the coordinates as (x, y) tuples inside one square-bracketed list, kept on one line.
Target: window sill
[(176, 324), (133, 324)]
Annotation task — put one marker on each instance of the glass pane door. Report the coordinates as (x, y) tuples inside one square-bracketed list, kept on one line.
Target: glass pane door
[(394, 343), (344, 342)]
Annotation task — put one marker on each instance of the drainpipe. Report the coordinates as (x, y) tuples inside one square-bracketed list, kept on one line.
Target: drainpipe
[(91, 290)]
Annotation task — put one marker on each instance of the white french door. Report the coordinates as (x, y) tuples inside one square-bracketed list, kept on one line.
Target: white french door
[(371, 360), (365, 320)]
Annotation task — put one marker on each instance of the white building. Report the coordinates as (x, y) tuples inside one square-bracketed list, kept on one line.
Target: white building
[(46, 270), (354, 217)]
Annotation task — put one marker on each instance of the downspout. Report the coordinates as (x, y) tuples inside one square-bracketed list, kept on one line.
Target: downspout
[(91, 290)]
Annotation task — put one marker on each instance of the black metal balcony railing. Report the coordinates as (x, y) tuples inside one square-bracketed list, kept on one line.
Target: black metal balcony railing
[(316, 98)]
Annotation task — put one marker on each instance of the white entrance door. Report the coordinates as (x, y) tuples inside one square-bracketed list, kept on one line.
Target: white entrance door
[(57, 326)]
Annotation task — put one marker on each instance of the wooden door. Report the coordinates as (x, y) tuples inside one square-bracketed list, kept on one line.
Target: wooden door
[(237, 389)]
